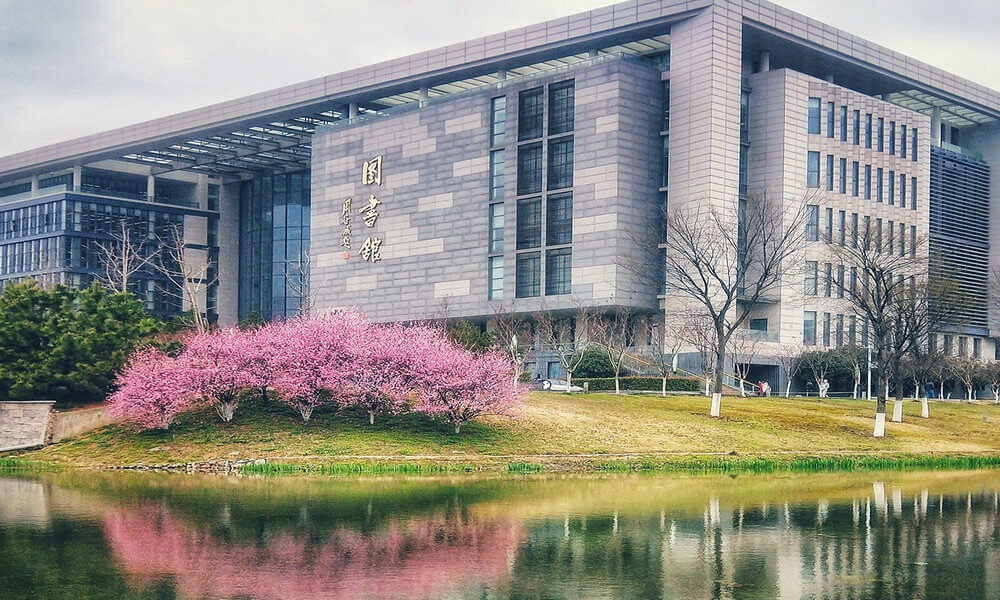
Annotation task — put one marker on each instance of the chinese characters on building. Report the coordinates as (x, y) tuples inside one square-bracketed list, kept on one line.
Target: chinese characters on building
[(371, 174), (345, 220)]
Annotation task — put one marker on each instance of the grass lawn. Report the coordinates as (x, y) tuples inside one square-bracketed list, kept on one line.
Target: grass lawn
[(549, 426)]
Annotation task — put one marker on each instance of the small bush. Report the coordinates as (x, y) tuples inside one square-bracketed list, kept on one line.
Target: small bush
[(639, 384), (594, 363)]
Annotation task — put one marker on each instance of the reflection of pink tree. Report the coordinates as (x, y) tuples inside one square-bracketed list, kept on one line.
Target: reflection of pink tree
[(152, 389), (422, 558)]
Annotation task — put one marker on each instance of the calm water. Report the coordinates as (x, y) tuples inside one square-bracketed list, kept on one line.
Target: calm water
[(913, 535)]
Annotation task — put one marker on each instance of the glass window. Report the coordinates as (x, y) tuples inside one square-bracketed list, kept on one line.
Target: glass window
[(530, 114), (854, 230), (843, 123), (868, 182), (892, 138), (495, 274), (842, 225), (560, 107), (758, 324), (497, 174), (528, 275), (868, 130), (498, 120), (830, 119), (812, 222), (829, 224), (496, 227), (881, 134), (529, 223), (560, 164), (812, 170), (559, 219), (879, 176), (829, 172), (826, 329), (814, 115), (529, 169), (666, 106), (913, 193), (840, 281), (810, 279), (857, 128), (902, 190), (665, 161), (855, 179), (558, 271), (913, 145), (809, 327), (843, 176), (828, 280), (892, 187), (902, 141)]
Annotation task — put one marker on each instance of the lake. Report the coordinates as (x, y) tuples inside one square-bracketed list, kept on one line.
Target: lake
[(159, 536)]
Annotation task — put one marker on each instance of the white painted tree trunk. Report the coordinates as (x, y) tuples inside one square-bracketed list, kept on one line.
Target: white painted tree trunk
[(371, 417), (925, 410), (716, 410), (743, 391), (968, 393), (897, 411), (569, 385), (879, 425), (618, 387), (663, 387), (707, 383), (226, 410), (306, 411), (996, 395), (788, 388)]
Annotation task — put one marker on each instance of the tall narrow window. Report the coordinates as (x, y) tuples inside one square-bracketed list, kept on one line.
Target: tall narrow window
[(892, 187), (829, 225), (855, 179), (913, 145), (843, 123), (868, 182), (495, 274), (913, 241), (496, 227), (902, 141), (913, 193), (561, 107), (528, 275), (497, 174), (879, 176), (881, 134), (857, 127), (810, 280), (529, 169), (558, 271), (829, 172), (840, 281), (828, 280), (902, 190), (826, 329), (831, 118), (812, 170), (890, 237), (892, 138), (560, 164), (840, 331), (843, 176), (809, 327), (559, 220), (902, 239), (842, 226), (529, 223), (814, 115), (854, 230), (530, 114), (666, 106), (812, 222), (498, 120), (868, 130), (878, 234)]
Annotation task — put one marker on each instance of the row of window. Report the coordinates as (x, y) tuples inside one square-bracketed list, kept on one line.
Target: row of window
[(558, 269), (531, 111), (948, 346), (862, 230), (29, 256), (877, 183), (836, 330), (874, 130), (31, 220)]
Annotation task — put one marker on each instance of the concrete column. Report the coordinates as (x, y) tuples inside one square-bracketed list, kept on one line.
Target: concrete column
[(936, 127), (201, 191), (77, 176), (765, 61), (34, 183), (424, 94), (502, 74), (352, 110), (151, 186)]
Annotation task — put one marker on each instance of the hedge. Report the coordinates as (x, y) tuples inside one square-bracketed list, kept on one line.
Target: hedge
[(644, 384)]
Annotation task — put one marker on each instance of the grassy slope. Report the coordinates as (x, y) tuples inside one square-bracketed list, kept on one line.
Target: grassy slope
[(550, 424)]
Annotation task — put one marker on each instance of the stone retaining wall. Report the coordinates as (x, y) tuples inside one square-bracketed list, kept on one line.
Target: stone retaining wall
[(69, 423), (24, 424)]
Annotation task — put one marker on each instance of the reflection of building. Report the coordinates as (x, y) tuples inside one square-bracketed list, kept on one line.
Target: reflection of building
[(515, 170)]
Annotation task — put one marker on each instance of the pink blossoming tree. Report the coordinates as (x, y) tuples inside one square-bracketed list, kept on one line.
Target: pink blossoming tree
[(152, 389), (220, 364)]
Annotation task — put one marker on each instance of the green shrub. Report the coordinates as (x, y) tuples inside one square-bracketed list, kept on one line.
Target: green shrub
[(635, 383), (594, 363)]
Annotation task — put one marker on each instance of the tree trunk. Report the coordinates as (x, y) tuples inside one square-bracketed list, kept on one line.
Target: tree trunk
[(708, 384), (227, 409), (897, 411), (306, 410), (618, 388), (788, 388), (569, 383), (458, 428), (720, 365), (743, 391), (879, 418), (371, 417), (663, 390), (924, 408)]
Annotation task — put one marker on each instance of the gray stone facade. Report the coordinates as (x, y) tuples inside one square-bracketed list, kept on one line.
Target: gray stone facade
[(23, 424)]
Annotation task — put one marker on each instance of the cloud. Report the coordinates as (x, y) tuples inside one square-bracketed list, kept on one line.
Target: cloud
[(73, 67)]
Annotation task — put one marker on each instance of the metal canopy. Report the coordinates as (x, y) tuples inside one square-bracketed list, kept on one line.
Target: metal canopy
[(285, 145), (951, 113)]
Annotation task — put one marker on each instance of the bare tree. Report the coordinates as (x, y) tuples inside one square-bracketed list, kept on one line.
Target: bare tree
[(296, 274), (698, 332), (123, 256), (818, 364), (613, 336), (725, 262), (854, 358), (991, 372), (567, 337), (743, 348), (899, 303), (921, 367), (787, 357), (189, 271), (664, 348), (969, 371), (514, 335)]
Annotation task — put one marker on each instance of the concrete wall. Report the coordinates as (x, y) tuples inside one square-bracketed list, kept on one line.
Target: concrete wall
[(435, 195), (23, 424), (70, 423)]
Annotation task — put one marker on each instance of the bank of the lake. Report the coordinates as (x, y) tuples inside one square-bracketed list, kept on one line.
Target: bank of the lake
[(561, 432)]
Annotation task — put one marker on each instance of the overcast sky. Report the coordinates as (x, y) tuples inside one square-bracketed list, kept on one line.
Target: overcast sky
[(73, 67)]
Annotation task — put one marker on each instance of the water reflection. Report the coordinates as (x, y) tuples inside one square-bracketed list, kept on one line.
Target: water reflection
[(917, 535)]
